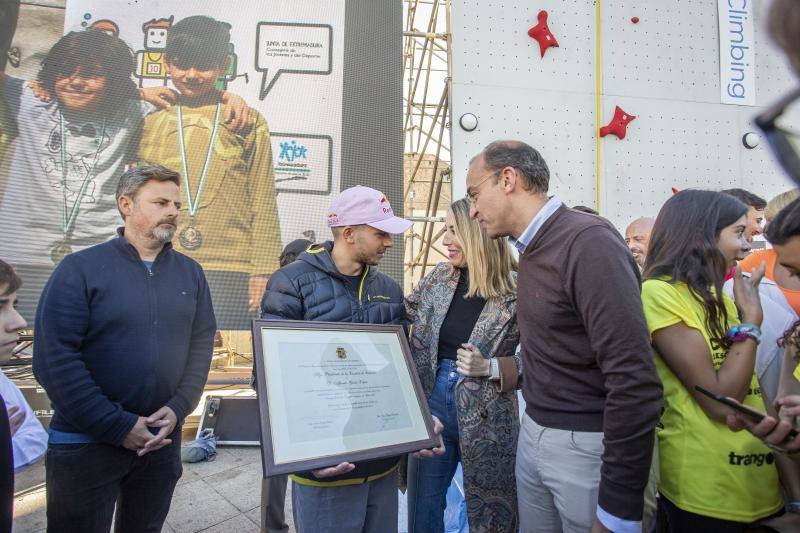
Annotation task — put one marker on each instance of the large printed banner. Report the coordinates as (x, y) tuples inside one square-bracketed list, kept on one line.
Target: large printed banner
[(248, 188)]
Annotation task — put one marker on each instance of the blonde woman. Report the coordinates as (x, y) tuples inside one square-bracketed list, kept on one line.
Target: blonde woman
[(464, 337), (775, 205)]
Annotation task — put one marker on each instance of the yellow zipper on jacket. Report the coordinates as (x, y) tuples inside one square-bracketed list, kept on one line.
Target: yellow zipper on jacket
[(361, 285)]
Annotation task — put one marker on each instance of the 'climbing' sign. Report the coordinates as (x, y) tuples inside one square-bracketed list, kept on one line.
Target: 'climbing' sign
[(737, 55)]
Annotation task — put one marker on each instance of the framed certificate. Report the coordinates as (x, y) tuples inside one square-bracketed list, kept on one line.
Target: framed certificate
[(330, 392)]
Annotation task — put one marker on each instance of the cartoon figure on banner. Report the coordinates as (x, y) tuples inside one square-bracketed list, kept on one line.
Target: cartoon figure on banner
[(151, 68), (229, 219), (230, 72)]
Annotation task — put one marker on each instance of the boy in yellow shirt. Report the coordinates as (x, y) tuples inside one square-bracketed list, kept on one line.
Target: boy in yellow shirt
[(230, 224)]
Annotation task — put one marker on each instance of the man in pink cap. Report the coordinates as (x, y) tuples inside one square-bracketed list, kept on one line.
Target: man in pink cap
[(336, 282)]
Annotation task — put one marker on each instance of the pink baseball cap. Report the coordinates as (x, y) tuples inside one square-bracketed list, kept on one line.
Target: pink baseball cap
[(363, 205)]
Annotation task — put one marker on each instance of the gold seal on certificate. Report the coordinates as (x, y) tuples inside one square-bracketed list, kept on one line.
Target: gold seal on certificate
[(334, 392)]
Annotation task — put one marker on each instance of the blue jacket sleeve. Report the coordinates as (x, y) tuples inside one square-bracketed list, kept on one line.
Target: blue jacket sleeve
[(201, 349), (62, 320), (282, 300)]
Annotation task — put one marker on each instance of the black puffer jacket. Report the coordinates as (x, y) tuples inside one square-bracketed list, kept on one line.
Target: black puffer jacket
[(312, 288)]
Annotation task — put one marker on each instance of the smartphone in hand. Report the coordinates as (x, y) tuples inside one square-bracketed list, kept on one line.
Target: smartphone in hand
[(749, 412)]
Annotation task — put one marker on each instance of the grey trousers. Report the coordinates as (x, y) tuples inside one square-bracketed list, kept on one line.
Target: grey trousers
[(273, 499), (364, 508), (558, 477)]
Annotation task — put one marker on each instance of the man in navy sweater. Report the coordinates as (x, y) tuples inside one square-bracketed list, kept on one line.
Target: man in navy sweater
[(123, 342)]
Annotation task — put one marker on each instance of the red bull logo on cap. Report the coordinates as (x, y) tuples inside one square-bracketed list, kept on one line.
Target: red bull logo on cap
[(387, 209), (333, 218)]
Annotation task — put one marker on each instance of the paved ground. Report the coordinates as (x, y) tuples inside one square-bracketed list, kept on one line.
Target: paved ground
[(221, 496)]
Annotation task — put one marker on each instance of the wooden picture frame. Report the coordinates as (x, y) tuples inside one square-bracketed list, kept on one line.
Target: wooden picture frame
[(332, 392)]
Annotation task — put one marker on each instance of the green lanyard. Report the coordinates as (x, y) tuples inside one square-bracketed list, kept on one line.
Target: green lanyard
[(192, 206), (70, 219)]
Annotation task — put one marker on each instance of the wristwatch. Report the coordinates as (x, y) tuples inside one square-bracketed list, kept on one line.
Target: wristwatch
[(745, 331), (793, 507)]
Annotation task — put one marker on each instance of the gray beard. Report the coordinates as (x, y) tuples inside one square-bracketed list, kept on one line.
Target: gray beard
[(163, 235)]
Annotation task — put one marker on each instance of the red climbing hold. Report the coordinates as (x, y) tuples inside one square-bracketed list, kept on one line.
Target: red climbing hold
[(635, 20), (618, 125), (542, 34)]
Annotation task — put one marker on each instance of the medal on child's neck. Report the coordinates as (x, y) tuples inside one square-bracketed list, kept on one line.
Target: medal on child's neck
[(190, 237), (70, 215)]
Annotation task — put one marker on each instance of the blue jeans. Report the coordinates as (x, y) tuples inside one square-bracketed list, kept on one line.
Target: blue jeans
[(428, 479)]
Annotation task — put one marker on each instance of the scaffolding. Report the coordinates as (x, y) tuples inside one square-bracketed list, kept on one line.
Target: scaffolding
[(426, 123)]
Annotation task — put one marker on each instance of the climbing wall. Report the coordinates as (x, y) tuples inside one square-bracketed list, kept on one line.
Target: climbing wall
[(659, 63)]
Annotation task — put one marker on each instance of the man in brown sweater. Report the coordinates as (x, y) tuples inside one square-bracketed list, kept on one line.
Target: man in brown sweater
[(593, 396)]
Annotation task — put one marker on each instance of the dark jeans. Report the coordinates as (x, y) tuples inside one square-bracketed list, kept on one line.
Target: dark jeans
[(86, 481), (429, 479), (672, 519)]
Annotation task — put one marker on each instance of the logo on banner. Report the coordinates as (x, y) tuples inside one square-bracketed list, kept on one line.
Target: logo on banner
[(303, 162), (737, 69), (294, 161), (291, 151)]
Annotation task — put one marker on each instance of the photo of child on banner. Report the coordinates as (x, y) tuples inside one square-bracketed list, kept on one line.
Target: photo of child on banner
[(229, 220), (69, 134)]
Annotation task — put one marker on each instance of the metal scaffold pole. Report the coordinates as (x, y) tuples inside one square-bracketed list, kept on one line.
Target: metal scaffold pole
[(426, 72)]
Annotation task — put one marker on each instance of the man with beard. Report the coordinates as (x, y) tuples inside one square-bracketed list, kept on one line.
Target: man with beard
[(637, 237), (337, 282), (123, 342)]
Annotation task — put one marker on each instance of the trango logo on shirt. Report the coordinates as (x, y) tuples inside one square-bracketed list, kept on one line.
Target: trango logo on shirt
[(757, 459)]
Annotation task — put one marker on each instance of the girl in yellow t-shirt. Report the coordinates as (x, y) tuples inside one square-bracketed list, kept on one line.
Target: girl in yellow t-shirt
[(711, 478)]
